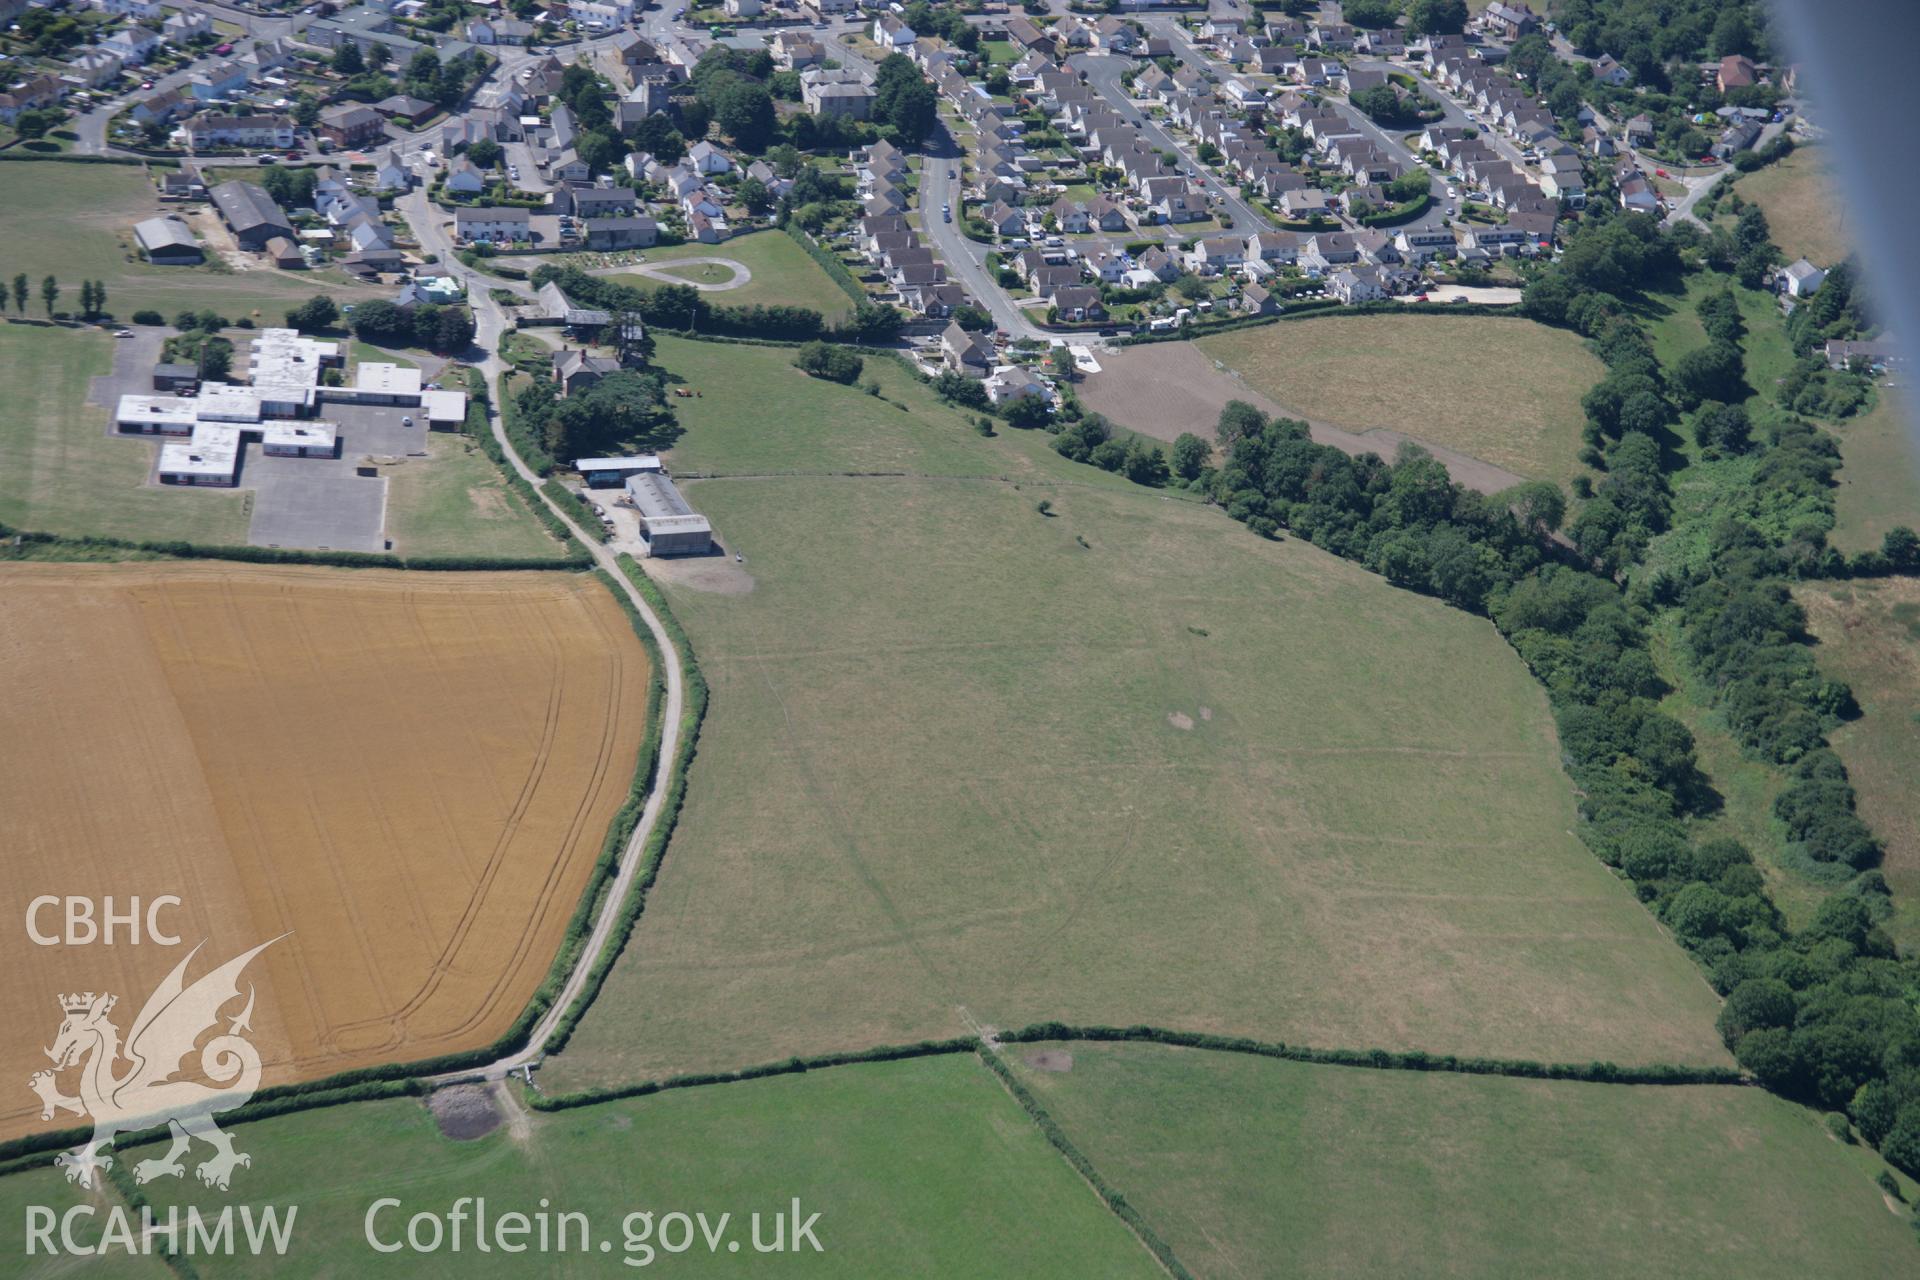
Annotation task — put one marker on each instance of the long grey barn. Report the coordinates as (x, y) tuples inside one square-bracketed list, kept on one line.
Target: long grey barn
[(670, 526), (251, 214)]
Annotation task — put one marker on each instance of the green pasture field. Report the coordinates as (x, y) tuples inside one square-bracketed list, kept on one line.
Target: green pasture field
[(1676, 330), (61, 471), (48, 1188), (1252, 1166), (455, 502), (75, 222), (969, 763), (756, 414), (925, 1167), (1505, 391), (783, 274)]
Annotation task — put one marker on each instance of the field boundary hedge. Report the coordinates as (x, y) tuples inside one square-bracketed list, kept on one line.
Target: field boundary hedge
[(23, 1158), (1108, 1193), (175, 550), (783, 1067), (570, 502), (1597, 1072), (67, 157), (829, 264), (651, 857)]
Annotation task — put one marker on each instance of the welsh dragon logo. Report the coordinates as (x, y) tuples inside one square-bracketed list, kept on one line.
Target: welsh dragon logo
[(146, 1093)]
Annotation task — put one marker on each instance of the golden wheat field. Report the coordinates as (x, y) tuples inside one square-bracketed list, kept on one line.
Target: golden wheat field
[(409, 775)]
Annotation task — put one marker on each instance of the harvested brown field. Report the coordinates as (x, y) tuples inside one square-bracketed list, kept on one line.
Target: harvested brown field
[(411, 774)]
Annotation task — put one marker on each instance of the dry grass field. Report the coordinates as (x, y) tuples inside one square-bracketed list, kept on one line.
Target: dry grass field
[(1254, 1167), (968, 763), (1802, 204), (1879, 473), (1870, 637), (411, 773), (1505, 391)]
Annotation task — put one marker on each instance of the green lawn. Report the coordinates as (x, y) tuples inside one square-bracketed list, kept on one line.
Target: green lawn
[(924, 1168), (359, 351), (454, 502), (1769, 357), (819, 426), (783, 274), (47, 1188), (61, 470), (75, 221), (1127, 763), (1251, 1166), (1502, 390)]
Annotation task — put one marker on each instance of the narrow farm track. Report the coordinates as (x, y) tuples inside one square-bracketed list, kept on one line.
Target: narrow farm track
[(490, 324)]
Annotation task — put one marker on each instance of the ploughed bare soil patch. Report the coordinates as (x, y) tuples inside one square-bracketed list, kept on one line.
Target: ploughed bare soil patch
[(1055, 1060), (465, 1111)]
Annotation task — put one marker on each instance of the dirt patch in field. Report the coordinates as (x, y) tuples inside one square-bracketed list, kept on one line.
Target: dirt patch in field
[(1179, 719), (465, 1112), (408, 776), (1058, 1061), (1164, 389), (720, 575)]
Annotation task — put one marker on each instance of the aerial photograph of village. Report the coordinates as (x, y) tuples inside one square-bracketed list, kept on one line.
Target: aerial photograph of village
[(959, 638)]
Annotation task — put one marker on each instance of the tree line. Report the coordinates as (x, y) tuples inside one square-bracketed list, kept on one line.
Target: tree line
[(1826, 1013), (93, 296)]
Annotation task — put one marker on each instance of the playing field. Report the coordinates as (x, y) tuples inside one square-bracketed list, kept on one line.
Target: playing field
[(411, 774), (781, 273), (62, 471), (1802, 202), (969, 763), (922, 1168), (1506, 391), (75, 222), (1869, 635), (1251, 1166)]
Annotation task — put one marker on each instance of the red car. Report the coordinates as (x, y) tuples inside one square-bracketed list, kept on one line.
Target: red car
[(1659, 173), (224, 50)]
